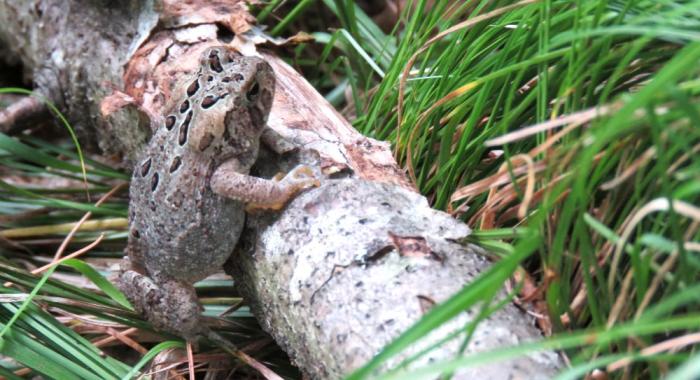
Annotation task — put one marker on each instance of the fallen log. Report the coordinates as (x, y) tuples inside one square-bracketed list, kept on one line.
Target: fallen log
[(346, 267)]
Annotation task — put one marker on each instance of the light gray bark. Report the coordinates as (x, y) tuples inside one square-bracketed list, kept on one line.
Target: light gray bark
[(346, 267), (350, 265)]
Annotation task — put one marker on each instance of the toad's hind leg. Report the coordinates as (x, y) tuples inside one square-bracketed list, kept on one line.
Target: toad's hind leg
[(260, 193), (168, 305)]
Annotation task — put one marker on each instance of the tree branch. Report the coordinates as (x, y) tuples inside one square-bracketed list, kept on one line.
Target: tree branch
[(346, 267)]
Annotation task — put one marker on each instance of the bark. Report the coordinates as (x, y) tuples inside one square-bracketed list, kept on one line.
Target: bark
[(346, 267), (349, 266), (75, 52)]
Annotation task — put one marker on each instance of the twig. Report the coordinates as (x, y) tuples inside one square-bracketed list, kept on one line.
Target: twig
[(18, 113)]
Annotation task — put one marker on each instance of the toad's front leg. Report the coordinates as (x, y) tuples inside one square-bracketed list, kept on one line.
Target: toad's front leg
[(169, 305), (260, 193)]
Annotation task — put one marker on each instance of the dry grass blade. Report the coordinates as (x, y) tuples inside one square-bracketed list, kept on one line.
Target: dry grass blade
[(576, 118), (266, 372), (621, 300), (498, 179), (656, 282), (673, 344), (190, 361), (683, 158), (85, 217), (513, 212), (91, 225), (497, 199), (121, 336), (659, 204), (630, 170), (73, 255)]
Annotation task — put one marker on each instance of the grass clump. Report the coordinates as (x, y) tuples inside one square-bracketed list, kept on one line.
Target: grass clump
[(575, 122)]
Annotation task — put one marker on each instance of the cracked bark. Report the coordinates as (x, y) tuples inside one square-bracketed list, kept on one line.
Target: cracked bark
[(346, 267)]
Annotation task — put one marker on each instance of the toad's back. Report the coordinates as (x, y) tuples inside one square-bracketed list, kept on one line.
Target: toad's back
[(179, 227)]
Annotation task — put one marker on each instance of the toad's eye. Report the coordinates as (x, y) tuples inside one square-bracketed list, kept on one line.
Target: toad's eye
[(253, 92)]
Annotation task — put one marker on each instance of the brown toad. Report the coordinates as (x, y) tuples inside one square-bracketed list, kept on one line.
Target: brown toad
[(188, 194)]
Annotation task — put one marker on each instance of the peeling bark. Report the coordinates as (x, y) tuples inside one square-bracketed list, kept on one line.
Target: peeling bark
[(346, 267)]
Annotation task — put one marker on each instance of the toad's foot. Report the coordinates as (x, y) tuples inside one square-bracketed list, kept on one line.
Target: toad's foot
[(168, 305), (259, 193)]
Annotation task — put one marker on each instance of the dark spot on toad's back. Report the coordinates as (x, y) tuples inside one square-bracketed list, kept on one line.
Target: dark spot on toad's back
[(145, 167), (184, 106), (209, 101), (215, 62), (154, 182), (182, 138), (170, 122), (192, 89), (175, 164)]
